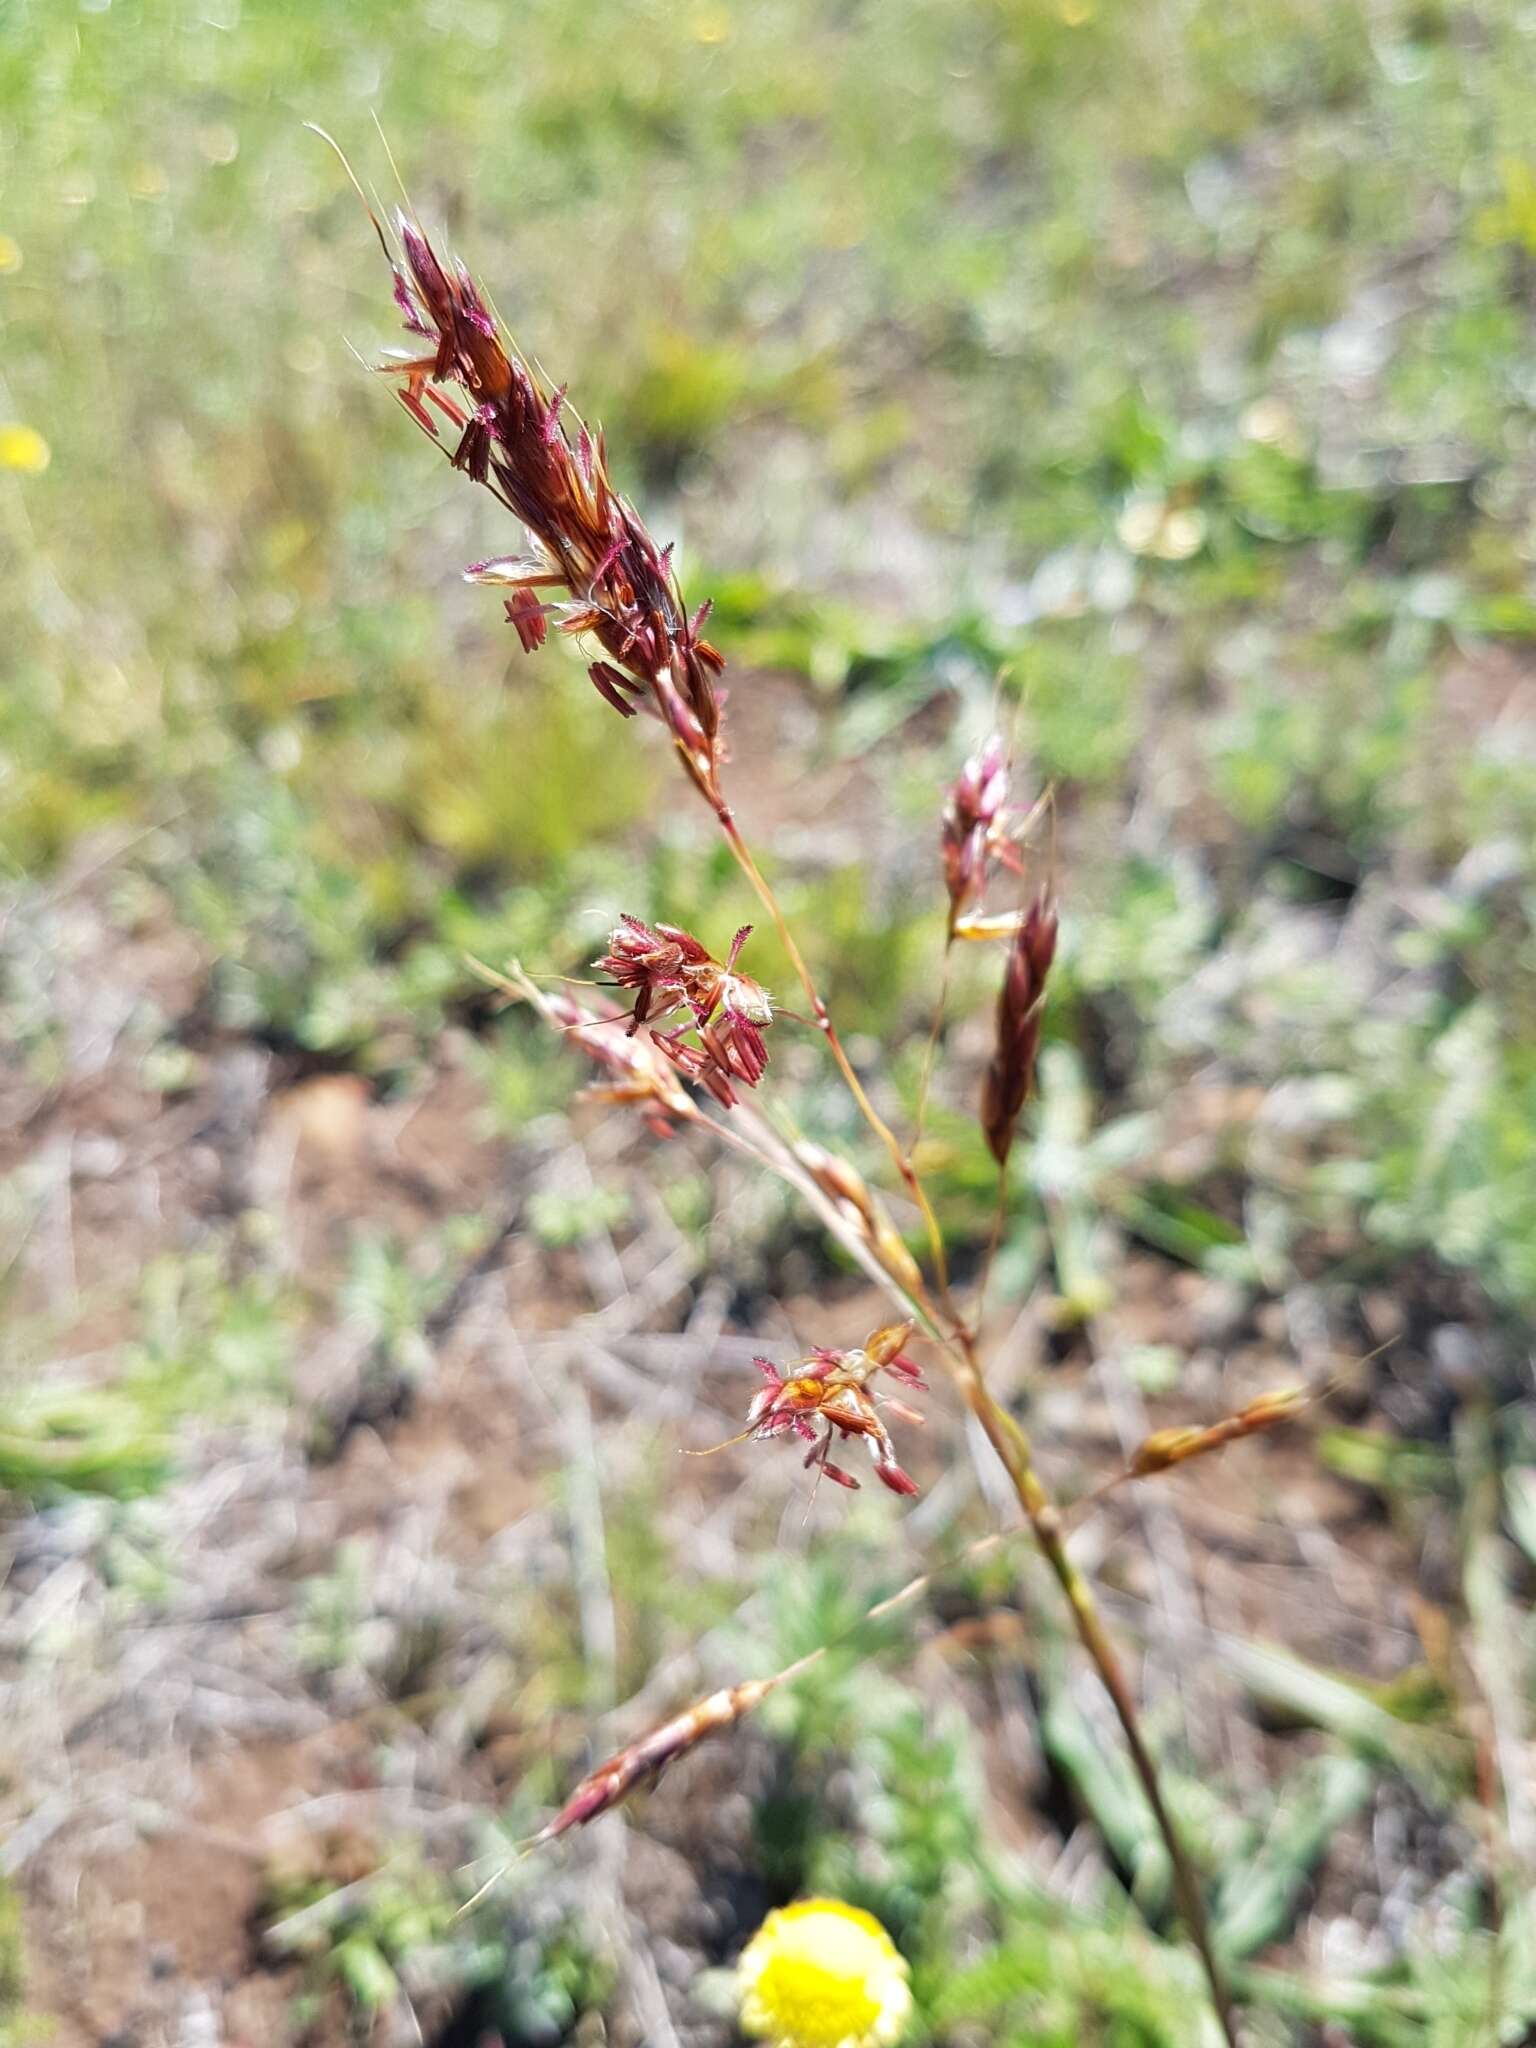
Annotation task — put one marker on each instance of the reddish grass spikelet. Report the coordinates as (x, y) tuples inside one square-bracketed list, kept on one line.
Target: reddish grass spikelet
[(971, 833), (615, 688), (1011, 1071), (520, 439), (670, 970), (615, 1778), (640, 1074), (831, 1390), (658, 965)]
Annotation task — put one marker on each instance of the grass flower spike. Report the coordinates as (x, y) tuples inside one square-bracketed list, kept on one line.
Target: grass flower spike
[(670, 970), (1011, 1072), (832, 1387), (971, 833), (820, 1974), (591, 565)]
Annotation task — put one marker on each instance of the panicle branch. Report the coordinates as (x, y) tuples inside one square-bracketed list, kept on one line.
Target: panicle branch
[(846, 1188), (614, 1779)]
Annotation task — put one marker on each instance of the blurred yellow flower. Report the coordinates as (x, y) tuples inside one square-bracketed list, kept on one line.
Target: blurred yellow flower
[(10, 255), (23, 448), (820, 1974)]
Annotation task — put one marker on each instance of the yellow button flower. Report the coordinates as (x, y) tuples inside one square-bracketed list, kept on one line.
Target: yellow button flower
[(820, 1974)]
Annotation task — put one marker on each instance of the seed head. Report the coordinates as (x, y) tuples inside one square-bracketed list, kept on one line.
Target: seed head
[(670, 970), (1011, 1070), (647, 1758), (1168, 1447), (971, 834), (591, 563), (831, 1390)]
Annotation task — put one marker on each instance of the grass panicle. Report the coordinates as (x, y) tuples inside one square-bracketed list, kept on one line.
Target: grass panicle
[(593, 569)]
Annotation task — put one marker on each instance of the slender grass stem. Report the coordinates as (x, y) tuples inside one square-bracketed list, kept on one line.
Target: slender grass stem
[(1012, 1445), (823, 1020), (958, 1346), (994, 1244), (930, 1050)]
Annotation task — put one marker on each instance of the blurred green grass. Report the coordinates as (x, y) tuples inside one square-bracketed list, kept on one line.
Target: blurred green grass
[(928, 249)]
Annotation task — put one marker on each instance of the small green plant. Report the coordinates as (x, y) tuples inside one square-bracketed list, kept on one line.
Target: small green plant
[(209, 1343), (396, 1939), (17, 2029)]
